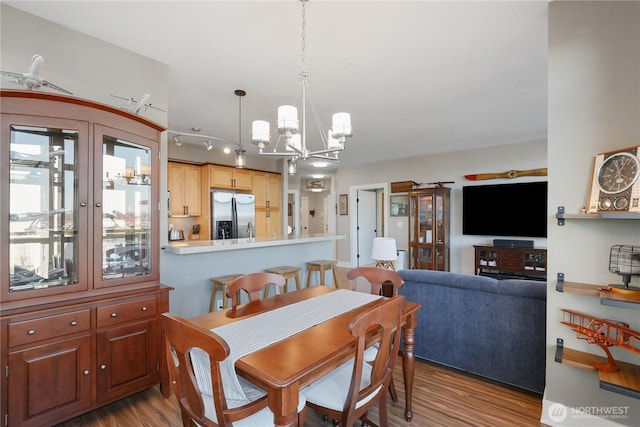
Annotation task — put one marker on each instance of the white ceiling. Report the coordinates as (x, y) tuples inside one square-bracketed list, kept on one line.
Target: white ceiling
[(418, 77)]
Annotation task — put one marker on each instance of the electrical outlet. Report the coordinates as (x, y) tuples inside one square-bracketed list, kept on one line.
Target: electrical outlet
[(219, 304)]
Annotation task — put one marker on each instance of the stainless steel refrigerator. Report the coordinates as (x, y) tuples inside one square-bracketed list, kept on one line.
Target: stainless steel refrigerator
[(232, 215)]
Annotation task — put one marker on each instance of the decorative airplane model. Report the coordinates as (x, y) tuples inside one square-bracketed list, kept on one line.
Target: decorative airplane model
[(134, 106), (31, 79), (603, 333), (508, 174)]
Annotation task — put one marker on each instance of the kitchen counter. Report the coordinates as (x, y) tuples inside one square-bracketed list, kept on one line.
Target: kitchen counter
[(188, 265), (187, 247)]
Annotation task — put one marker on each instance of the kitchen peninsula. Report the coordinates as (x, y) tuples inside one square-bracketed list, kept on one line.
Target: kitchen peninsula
[(188, 266)]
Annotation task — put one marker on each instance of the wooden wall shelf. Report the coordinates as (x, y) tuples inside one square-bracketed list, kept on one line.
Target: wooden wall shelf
[(625, 381), (614, 299)]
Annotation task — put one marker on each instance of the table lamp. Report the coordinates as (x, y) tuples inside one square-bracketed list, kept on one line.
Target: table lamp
[(384, 252)]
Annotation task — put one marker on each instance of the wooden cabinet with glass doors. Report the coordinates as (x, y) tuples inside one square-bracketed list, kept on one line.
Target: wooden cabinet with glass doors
[(79, 236), (429, 229)]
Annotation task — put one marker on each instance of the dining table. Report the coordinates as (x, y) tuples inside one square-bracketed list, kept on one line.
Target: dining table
[(287, 365)]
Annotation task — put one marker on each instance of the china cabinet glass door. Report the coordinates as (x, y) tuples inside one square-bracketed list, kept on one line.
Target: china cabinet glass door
[(125, 208), (47, 205)]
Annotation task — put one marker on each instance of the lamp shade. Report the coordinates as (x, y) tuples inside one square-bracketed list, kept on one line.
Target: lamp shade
[(384, 249), (260, 131), (287, 118), (341, 125)]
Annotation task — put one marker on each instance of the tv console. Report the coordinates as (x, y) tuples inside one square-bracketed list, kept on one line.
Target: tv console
[(505, 262)]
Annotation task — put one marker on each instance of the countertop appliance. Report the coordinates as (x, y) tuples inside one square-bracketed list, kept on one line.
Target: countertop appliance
[(232, 215), (176, 235)]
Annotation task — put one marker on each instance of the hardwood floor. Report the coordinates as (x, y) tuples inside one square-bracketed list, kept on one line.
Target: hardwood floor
[(442, 397)]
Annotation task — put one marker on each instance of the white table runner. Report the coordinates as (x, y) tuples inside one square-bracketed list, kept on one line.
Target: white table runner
[(259, 331)]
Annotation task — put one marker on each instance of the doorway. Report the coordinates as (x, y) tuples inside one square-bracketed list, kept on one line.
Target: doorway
[(369, 220)]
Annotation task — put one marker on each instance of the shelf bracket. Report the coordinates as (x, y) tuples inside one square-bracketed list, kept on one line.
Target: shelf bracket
[(560, 215), (560, 282), (559, 348)]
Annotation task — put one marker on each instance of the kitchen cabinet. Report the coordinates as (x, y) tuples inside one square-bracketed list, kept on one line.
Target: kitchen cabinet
[(184, 189), (268, 191), (231, 178), (429, 229), (80, 320)]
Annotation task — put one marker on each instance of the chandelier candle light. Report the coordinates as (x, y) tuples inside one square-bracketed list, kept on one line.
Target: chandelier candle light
[(294, 132)]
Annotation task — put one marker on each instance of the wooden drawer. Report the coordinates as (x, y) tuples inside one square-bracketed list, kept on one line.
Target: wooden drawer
[(43, 328), (126, 311), (519, 255), (511, 265)]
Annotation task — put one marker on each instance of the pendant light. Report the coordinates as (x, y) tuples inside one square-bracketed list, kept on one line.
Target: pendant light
[(241, 158)]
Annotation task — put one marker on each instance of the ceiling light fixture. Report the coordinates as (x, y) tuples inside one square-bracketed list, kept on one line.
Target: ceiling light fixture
[(208, 144), (294, 132), (182, 135), (241, 158)]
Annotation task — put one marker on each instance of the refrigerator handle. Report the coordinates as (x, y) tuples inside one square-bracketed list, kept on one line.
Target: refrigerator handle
[(234, 219)]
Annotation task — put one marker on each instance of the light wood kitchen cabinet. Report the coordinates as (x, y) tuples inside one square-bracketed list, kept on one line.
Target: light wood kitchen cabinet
[(267, 188), (184, 189), (232, 178), (80, 319)]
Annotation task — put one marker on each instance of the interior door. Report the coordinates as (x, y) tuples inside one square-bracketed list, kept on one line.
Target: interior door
[(367, 214), (304, 214)]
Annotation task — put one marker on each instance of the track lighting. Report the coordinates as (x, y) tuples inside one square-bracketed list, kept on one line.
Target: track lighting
[(207, 143), (177, 141)]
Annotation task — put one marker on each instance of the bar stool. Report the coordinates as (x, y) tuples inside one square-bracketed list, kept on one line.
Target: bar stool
[(286, 271), (322, 266), (220, 284)]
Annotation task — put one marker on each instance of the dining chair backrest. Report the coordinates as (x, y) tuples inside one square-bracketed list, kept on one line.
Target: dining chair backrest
[(350, 390), (181, 336), (382, 281), (253, 284)]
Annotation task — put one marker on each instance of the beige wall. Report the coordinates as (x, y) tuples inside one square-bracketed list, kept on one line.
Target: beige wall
[(443, 167)]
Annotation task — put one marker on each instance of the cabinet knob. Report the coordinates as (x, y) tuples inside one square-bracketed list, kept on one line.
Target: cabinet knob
[(103, 367), (86, 372), (83, 204), (31, 332), (73, 323), (98, 205), (144, 308), (114, 314)]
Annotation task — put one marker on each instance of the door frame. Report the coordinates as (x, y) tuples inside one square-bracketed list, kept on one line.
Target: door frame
[(353, 219)]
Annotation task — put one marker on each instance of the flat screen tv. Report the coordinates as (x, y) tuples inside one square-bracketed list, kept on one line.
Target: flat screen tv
[(509, 210)]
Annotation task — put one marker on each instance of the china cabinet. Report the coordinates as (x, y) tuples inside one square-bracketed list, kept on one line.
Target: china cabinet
[(81, 299), (429, 229)]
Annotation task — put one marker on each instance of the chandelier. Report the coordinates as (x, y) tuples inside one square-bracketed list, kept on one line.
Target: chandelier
[(293, 131)]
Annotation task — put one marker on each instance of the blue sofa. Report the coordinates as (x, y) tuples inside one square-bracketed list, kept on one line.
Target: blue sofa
[(488, 327)]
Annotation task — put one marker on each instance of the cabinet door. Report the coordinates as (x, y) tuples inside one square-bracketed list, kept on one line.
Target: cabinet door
[(48, 382), (221, 177), (192, 190), (184, 189), (45, 197), (127, 360), (260, 189), (125, 213), (175, 184), (243, 179)]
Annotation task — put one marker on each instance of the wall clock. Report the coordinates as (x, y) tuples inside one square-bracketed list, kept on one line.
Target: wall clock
[(615, 186)]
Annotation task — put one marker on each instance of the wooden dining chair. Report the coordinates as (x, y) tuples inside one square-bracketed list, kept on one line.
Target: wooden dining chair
[(210, 410), (349, 391), (254, 284), (381, 282)]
